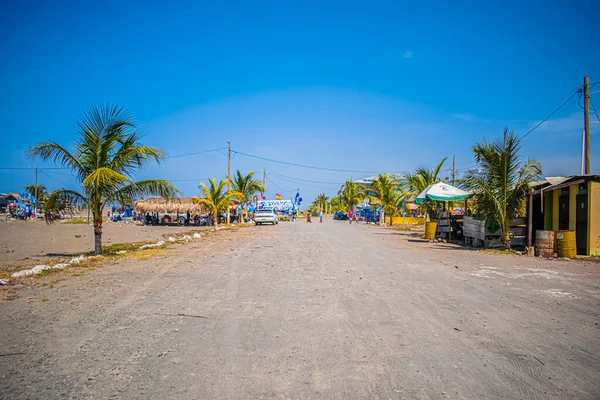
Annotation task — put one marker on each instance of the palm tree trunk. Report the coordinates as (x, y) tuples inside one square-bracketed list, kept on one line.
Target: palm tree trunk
[(216, 218), (506, 236), (98, 234)]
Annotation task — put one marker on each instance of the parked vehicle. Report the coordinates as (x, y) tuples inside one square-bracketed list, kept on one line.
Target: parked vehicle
[(340, 216), (266, 216)]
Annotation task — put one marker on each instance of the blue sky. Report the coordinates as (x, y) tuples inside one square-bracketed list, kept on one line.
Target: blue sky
[(377, 86)]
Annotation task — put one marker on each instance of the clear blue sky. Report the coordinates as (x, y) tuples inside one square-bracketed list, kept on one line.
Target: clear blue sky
[(383, 86)]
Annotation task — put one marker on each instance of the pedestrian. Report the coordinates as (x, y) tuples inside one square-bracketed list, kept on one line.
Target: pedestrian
[(308, 221), (350, 216), (321, 217)]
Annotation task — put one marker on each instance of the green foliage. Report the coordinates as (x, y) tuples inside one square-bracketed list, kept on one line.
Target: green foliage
[(215, 197), (246, 185), (351, 194), (39, 192), (414, 183), (388, 194), (335, 204), (500, 183), (106, 154), (320, 201)]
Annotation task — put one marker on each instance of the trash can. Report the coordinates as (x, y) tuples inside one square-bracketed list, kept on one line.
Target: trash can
[(566, 244), (544, 244)]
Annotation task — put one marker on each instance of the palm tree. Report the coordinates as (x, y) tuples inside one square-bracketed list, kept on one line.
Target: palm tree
[(105, 157), (39, 192), (387, 193), (351, 194), (320, 201), (247, 185), (414, 183), (214, 196), (500, 182), (335, 204)]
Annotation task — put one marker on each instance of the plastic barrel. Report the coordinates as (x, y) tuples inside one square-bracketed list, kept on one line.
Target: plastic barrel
[(430, 229), (544, 243), (566, 244)]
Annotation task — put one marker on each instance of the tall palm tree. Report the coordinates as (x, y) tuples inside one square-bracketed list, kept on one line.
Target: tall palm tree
[(214, 196), (351, 194), (320, 201), (105, 157), (414, 183), (247, 185), (500, 182), (387, 193)]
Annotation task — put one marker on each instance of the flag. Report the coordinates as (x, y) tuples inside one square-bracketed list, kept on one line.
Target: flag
[(262, 196), (277, 196)]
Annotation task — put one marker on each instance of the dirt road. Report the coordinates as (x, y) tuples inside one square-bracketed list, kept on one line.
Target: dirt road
[(321, 311)]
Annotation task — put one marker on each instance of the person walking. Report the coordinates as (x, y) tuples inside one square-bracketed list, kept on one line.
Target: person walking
[(321, 217), (350, 216), (308, 221)]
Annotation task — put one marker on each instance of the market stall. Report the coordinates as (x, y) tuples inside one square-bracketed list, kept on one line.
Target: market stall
[(441, 192)]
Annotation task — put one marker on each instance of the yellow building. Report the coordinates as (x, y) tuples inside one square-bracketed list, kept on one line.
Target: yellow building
[(568, 204)]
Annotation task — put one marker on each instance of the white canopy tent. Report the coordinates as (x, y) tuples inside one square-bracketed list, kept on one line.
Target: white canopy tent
[(443, 192)]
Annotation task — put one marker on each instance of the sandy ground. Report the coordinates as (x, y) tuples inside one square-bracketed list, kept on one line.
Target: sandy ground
[(33, 241), (297, 311)]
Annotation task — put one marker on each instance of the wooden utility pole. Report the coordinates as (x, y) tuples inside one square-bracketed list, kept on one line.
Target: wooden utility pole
[(228, 182), (453, 164), (264, 181), (586, 123), (36, 189)]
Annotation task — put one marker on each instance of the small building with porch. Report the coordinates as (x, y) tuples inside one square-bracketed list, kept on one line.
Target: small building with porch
[(567, 204)]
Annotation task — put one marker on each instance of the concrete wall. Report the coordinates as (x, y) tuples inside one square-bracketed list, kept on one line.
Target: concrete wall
[(594, 218), (405, 221)]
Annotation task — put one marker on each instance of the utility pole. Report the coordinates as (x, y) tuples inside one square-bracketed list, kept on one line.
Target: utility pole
[(264, 181), (453, 164), (586, 124), (228, 182), (36, 188)]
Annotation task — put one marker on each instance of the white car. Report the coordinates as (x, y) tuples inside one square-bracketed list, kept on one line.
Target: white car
[(266, 217)]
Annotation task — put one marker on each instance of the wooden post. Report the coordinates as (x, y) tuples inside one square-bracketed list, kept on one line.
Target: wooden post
[(530, 221), (586, 123)]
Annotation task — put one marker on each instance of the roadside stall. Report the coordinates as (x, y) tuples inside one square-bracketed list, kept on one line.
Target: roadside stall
[(180, 210), (444, 193)]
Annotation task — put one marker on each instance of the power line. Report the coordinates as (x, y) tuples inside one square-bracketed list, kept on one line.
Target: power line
[(32, 168), (51, 177), (595, 111), (304, 166), (551, 114), (197, 152), (277, 186), (305, 180)]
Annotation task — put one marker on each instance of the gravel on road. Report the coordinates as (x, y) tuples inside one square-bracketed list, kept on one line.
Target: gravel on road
[(309, 311)]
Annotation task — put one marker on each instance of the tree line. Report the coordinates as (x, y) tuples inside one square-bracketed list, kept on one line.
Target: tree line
[(109, 151)]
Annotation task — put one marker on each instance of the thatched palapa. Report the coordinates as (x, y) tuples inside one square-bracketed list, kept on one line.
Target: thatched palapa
[(180, 205)]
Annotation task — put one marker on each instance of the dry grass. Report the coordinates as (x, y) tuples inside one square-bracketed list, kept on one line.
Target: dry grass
[(149, 253), (76, 221)]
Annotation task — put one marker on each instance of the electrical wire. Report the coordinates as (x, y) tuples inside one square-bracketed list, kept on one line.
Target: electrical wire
[(302, 165), (595, 111), (304, 180), (51, 177), (279, 187), (197, 152), (32, 168), (551, 114)]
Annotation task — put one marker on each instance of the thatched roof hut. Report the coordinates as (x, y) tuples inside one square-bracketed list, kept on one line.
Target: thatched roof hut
[(175, 205)]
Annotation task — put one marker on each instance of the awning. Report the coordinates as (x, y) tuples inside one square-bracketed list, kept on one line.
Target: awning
[(441, 192)]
